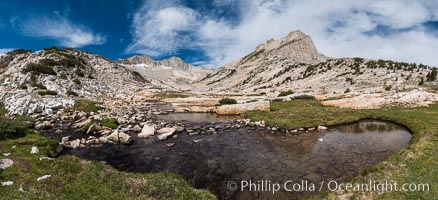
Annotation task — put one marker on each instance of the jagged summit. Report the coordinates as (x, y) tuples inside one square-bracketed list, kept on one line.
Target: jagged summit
[(146, 61), (172, 71), (296, 46)]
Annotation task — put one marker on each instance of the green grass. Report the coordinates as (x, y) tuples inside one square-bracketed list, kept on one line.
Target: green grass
[(110, 122), (415, 163), (12, 127), (75, 178), (85, 105), (170, 95)]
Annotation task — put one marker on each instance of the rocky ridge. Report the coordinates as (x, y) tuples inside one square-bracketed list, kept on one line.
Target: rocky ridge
[(168, 73)]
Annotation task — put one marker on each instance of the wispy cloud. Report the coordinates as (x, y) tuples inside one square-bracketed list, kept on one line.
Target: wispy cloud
[(3, 51), (59, 28), (389, 29)]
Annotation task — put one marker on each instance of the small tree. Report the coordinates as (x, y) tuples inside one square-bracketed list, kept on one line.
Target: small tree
[(431, 76)]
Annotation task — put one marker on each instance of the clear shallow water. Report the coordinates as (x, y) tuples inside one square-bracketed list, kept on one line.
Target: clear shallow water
[(196, 117), (251, 153)]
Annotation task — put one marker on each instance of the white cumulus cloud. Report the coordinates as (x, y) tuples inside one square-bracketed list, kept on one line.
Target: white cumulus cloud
[(59, 28), (386, 29)]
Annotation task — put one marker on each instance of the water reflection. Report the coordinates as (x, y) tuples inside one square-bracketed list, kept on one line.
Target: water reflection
[(253, 154)]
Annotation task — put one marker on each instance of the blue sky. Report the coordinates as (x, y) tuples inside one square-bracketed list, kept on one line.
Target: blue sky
[(215, 32)]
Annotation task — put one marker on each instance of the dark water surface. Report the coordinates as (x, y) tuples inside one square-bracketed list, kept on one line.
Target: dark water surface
[(250, 153)]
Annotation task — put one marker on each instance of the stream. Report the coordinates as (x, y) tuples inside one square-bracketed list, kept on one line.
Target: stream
[(210, 161)]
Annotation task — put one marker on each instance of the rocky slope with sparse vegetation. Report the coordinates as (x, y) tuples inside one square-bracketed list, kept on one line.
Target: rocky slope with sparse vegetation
[(293, 63), (50, 79)]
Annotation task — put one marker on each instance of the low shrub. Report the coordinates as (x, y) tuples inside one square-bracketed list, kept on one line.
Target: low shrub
[(226, 101), (38, 69), (79, 72), (23, 87), (304, 96), (388, 87), (18, 51), (77, 81), (39, 86), (47, 92), (71, 93), (285, 93)]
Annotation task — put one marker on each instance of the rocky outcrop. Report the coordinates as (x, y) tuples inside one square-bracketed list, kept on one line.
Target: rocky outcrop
[(242, 108)]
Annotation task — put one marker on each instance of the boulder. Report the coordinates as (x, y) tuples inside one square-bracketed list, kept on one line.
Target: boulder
[(118, 137), (147, 131), (166, 130), (236, 109), (165, 133)]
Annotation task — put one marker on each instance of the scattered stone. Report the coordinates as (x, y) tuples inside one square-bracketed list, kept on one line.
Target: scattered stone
[(196, 141), (7, 154), (7, 183), (322, 128), (21, 189), (34, 150), (321, 140), (65, 139), (14, 147), (94, 128), (45, 158), (44, 177), (137, 128), (193, 133), (5, 163), (75, 143)]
